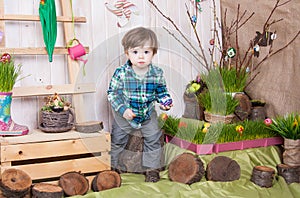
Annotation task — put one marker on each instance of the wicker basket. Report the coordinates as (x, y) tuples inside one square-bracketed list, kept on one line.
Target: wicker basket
[(57, 121), (213, 118)]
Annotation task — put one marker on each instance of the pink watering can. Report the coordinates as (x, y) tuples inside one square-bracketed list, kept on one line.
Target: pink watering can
[(76, 51)]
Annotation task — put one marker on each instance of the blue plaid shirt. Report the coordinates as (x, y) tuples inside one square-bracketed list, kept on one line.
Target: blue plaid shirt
[(128, 90)]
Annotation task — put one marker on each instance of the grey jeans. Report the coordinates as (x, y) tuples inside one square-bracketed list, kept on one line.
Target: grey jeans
[(151, 134)]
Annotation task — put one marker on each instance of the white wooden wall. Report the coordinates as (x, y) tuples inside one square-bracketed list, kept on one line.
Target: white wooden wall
[(103, 37)]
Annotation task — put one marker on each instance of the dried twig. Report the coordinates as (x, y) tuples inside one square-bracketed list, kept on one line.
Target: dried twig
[(202, 54), (173, 35)]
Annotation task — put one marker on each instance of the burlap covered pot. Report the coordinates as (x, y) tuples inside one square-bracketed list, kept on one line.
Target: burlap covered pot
[(291, 154)]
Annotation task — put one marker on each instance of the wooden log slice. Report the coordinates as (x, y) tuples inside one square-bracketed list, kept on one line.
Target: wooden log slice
[(74, 183), (263, 176), (223, 168), (186, 168), (41, 190), (89, 127), (291, 174), (15, 183), (106, 180)]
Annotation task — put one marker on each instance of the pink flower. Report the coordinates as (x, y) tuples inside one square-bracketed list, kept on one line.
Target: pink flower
[(268, 121), (182, 124)]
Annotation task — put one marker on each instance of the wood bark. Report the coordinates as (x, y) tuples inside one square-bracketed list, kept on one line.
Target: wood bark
[(41, 190), (291, 174), (243, 110), (263, 176), (186, 168), (15, 183), (106, 180), (89, 127), (74, 183), (130, 160), (223, 169)]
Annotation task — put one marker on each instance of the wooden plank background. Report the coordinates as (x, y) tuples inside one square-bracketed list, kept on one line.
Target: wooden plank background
[(101, 34)]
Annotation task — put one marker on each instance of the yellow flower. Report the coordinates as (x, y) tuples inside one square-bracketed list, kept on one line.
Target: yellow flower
[(239, 129), (204, 130), (206, 125), (295, 123)]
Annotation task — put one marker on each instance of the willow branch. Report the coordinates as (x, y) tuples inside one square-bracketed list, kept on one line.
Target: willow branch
[(173, 35), (198, 40), (176, 27)]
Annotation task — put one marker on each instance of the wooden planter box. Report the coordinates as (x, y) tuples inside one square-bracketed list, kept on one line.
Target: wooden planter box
[(205, 149), (200, 149), (46, 156)]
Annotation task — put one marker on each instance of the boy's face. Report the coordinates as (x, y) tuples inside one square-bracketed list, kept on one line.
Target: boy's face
[(140, 57)]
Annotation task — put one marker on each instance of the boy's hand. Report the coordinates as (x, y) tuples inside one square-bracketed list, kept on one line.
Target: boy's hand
[(128, 114), (165, 107)]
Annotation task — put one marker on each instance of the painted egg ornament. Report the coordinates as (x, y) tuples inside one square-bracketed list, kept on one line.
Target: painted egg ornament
[(194, 19), (211, 41), (231, 52), (6, 57), (166, 101), (273, 36)]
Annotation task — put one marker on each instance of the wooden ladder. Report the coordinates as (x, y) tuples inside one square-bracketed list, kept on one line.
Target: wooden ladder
[(73, 66)]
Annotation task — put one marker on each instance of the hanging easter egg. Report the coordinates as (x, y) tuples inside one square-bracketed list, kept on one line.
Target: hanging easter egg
[(212, 41), (256, 50), (194, 19), (231, 52), (273, 36), (5, 58)]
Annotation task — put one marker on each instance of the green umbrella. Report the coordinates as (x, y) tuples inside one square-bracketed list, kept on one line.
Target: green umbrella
[(47, 13)]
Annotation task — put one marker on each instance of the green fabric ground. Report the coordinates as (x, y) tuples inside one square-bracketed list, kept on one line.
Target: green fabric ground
[(133, 185)]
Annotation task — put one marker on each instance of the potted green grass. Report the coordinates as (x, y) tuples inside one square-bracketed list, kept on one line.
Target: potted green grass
[(234, 80), (9, 74), (288, 127)]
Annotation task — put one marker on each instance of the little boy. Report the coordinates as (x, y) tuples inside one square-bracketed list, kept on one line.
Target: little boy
[(133, 90)]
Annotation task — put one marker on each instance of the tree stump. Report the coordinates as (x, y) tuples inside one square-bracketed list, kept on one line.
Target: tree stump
[(41, 190), (130, 160), (186, 168), (73, 183), (223, 169), (243, 110), (291, 174), (192, 109), (263, 176), (15, 183), (106, 180)]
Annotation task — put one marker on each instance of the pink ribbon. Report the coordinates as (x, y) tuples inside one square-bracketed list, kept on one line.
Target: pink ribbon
[(123, 10)]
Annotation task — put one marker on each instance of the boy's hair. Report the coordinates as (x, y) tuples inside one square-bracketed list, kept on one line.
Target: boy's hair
[(139, 37)]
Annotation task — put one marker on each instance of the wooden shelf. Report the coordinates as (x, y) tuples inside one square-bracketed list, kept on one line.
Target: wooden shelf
[(13, 17), (50, 89), (36, 50)]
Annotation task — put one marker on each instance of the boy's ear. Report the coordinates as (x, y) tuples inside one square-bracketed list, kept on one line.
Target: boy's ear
[(126, 53)]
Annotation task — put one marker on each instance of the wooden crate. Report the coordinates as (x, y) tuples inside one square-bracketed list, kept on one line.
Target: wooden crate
[(46, 156)]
